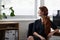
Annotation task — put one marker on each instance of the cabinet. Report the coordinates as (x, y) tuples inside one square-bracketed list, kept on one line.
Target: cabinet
[(9, 31)]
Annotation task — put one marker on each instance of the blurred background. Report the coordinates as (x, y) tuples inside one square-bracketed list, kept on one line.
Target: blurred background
[(26, 11)]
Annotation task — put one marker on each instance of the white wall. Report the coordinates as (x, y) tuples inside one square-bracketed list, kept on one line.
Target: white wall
[(23, 29)]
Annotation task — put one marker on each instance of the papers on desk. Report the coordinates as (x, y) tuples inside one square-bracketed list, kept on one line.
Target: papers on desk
[(11, 35), (59, 30)]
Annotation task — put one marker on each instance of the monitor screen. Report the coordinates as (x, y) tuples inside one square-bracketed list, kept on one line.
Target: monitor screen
[(56, 21)]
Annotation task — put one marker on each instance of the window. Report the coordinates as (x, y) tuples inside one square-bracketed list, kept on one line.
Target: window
[(53, 6), (0, 6), (22, 8)]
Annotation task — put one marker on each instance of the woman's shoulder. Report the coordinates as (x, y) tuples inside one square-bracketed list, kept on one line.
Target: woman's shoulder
[(38, 20)]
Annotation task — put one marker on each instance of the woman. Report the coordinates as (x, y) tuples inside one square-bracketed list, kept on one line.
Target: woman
[(41, 27)]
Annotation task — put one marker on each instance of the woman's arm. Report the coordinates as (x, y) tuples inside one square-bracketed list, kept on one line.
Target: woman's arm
[(53, 26), (56, 30), (41, 37), (51, 33)]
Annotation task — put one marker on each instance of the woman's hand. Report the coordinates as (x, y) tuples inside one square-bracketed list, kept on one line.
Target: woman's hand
[(30, 38), (50, 34), (42, 38)]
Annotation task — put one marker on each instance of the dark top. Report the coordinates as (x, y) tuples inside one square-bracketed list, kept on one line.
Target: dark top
[(39, 28)]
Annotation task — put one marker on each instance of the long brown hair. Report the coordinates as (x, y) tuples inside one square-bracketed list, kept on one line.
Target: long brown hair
[(46, 19)]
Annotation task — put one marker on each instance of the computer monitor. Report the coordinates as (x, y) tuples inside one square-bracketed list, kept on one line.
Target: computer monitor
[(56, 19)]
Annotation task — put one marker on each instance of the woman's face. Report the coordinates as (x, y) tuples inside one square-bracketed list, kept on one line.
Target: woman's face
[(40, 13)]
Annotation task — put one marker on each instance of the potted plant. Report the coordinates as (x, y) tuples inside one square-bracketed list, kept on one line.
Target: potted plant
[(12, 12)]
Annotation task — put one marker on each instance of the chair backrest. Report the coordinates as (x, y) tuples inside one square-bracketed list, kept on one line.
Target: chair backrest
[(30, 28)]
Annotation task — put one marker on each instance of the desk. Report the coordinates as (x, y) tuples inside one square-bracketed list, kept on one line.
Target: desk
[(58, 33), (6, 26), (56, 36)]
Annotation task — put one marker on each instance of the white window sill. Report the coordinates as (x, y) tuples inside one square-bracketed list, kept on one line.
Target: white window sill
[(16, 19)]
